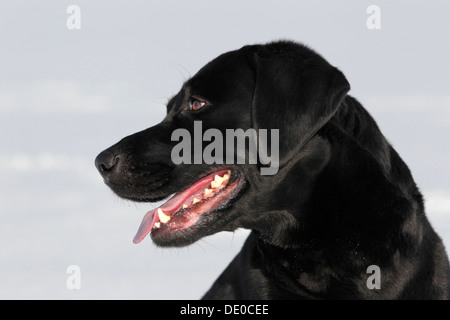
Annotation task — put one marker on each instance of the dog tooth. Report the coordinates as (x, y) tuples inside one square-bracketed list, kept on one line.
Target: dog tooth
[(164, 218), (218, 179), (185, 206), (207, 192), (229, 172), (157, 225), (215, 184), (195, 201)]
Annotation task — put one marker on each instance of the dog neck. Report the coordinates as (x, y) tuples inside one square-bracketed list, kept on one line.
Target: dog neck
[(337, 225), (328, 210)]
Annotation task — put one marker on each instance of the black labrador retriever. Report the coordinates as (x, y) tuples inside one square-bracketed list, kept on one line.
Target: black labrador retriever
[(339, 217)]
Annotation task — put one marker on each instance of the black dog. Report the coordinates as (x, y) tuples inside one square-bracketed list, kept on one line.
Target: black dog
[(341, 219)]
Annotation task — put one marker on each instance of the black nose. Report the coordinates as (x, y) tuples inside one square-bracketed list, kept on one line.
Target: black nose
[(106, 162)]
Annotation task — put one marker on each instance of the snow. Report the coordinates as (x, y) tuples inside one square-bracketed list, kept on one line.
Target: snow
[(65, 95)]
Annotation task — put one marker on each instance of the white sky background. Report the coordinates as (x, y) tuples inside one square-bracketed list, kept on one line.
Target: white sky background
[(65, 95)]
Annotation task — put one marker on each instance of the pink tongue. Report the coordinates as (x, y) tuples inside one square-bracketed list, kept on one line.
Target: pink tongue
[(146, 226), (172, 205)]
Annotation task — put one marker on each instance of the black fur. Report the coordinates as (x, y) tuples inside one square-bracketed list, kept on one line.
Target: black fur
[(342, 199)]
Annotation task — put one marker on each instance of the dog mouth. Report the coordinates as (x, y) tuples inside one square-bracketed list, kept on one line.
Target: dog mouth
[(186, 208)]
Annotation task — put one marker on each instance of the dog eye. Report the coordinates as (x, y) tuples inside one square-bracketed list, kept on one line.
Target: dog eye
[(196, 104)]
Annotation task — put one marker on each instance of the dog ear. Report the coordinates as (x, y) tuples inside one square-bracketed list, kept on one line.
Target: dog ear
[(296, 91)]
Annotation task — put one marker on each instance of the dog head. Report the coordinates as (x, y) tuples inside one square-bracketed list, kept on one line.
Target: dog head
[(193, 154)]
